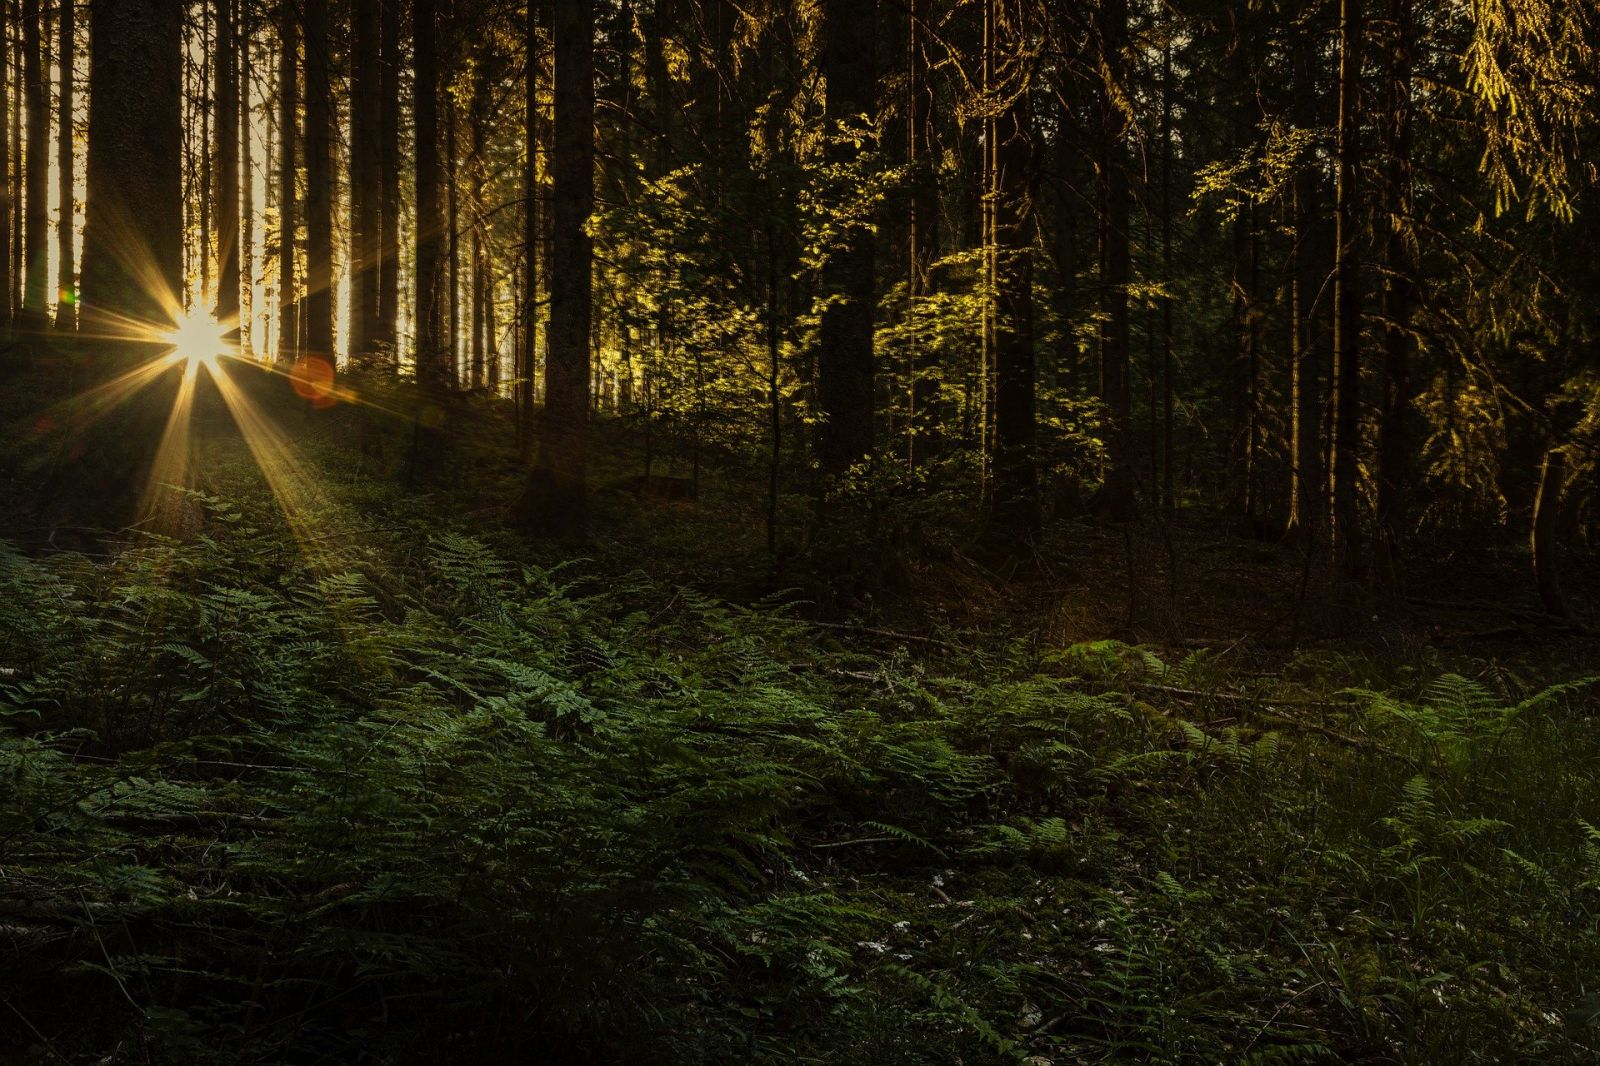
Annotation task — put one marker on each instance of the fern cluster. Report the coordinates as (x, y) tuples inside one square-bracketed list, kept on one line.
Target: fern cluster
[(405, 797)]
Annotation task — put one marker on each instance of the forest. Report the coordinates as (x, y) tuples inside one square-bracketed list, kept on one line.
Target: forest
[(801, 531)]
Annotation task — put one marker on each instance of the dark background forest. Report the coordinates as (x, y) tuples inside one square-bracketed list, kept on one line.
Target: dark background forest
[(824, 530)]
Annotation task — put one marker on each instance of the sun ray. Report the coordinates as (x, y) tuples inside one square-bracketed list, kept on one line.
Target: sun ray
[(162, 504), (292, 485)]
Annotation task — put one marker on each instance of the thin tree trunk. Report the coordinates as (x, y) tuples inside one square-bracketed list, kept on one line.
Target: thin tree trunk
[(1309, 269), (478, 132), (319, 185), (1116, 258), (1016, 487), (531, 209), (388, 315), (1347, 287), (7, 185), (1398, 295), (200, 162), (1243, 376), (288, 215), (921, 420), (66, 236), (247, 216), (1546, 523), (36, 236), (365, 183), (1168, 389), (432, 356), (227, 119), (18, 184), (452, 175)]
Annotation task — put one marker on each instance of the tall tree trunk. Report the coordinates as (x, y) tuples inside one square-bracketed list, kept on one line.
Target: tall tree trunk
[(432, 356), (18, 184), (553, 500), (288, 213), (132, 248), (365, 184), (453, 239), (227, 214), (1016, 484), (531, 231), (844, 335), (7, 186), (388, 320), (66, 235), (198, 161), (1168, 386), (1347, 288), (1399, 287), (36, 235), (484, 73), (921, 385), (133, 176), (1306, 493), (319, 185), (1115, 257), (247, 216)]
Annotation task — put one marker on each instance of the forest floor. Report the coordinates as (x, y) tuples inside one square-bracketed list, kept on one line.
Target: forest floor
[(382, 782)]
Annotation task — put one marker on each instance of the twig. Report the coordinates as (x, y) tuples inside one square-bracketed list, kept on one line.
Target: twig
[(848, 843), (45, 1040), (1286, 720), (1235, 697), (889, 634)]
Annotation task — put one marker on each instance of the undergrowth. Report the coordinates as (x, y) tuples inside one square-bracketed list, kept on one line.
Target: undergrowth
[(405, 798)]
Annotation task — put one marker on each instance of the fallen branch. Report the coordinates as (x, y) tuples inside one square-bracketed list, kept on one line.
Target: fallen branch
[(1235, 697), (888, 634)]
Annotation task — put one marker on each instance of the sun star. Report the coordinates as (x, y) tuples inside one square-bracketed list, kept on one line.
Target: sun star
[(199, 340)]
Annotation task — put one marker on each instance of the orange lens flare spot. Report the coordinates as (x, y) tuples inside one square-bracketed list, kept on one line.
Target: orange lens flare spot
[(312, 379)]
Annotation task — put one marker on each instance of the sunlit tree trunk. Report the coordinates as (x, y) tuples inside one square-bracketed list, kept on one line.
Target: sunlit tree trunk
[(365, 185), (198, 163), (388, 320), (288, 213), (226, 110), (453, 240), (478, 117), (36, 234), (552, 503), (66, 184), (844, 334), (247, 216), (1542, 544), (1347, 289), (17, 181), (7, 186), (432, 355), (319, 185)]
